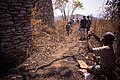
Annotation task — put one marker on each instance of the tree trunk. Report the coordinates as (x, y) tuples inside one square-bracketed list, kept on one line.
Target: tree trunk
[(118, 31), (64, 15)]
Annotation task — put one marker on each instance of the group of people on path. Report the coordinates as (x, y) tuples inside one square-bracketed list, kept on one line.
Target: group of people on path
[(105, 51), (70, 25), (84, 27)]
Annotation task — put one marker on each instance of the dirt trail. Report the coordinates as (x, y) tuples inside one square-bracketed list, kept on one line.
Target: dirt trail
[(54, 62)]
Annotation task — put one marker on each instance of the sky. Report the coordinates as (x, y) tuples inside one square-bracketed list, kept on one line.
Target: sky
[(91, 7)]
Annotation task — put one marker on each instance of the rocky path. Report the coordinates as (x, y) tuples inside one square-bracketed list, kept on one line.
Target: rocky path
[(53, 60)]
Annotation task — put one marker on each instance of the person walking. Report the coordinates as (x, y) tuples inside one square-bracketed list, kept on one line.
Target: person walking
[(68, 28), (83, 26), (77, 20), (71, 23), (88, 24)]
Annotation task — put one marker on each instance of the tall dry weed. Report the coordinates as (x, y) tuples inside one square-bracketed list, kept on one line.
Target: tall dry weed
[(59, 31), (60, 26), (102, 26)]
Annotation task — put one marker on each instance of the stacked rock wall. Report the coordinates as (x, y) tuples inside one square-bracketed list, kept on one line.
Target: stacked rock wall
[(15, 30), (44, 10)]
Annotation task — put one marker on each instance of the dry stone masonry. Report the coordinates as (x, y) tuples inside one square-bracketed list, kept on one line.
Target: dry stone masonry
[(15, 30), (45, 12)]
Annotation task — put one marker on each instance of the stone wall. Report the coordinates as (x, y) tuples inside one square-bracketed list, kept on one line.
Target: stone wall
[(118, 31), (15, 30), (44, 10)]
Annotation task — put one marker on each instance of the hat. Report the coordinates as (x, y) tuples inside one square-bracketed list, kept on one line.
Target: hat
[(109, 36)]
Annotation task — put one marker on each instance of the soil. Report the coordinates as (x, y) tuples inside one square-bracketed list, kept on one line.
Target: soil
[(53, 59)]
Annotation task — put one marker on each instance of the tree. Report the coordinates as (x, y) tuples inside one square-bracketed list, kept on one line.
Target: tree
[(118, 30), (61, 5), (75, 5), (110, 12), (113, 13), (67, 6)]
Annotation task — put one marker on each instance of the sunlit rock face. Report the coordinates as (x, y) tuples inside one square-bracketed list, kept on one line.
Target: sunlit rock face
[(15, 31), (44, 12)]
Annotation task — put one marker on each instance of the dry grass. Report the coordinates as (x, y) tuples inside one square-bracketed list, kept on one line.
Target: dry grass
[(42, 31), (102, 26), (45, 40), (99, 27)]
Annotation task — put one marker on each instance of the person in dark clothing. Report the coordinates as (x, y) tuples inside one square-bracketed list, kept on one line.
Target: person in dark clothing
[(70, 23), (106, 53), (83, 26), (68, 27), (77, 20), (88, 24)]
